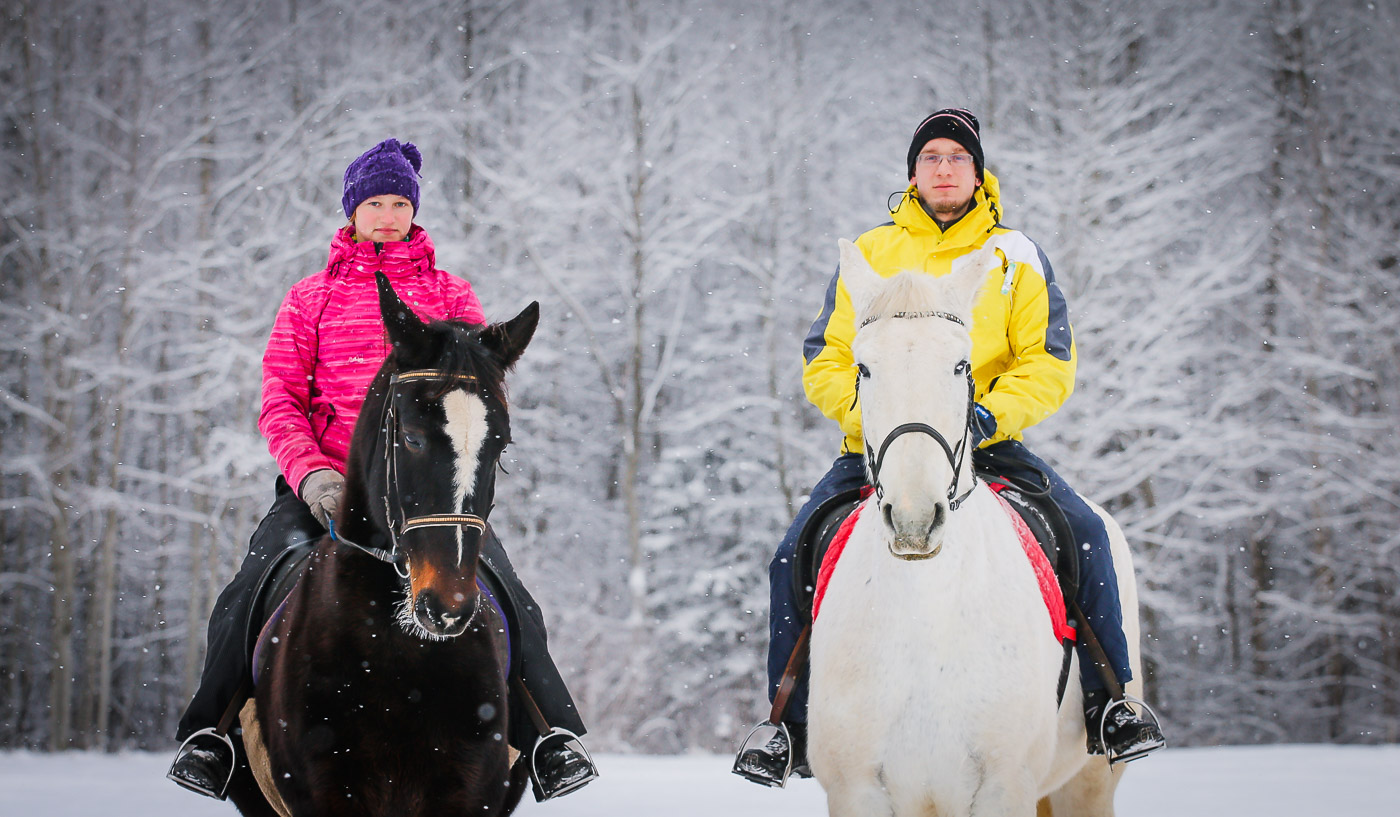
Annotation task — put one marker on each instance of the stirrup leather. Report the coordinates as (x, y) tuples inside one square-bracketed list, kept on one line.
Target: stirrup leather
[(222, 793), (754, 742)]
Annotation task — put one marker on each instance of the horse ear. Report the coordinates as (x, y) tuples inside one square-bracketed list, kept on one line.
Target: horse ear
[(861, 280), (509, 339), (406, 331), (969, 274)]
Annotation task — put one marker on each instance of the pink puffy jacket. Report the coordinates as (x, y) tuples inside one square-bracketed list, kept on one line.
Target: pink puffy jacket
[(328, 342)]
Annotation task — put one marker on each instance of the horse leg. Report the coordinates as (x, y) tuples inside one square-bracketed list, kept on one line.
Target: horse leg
[(858, 800), (1014, 794), (518, 781), (1088, 793)]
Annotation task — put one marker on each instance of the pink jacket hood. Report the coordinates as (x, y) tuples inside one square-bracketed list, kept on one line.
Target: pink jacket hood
[(328, 342)]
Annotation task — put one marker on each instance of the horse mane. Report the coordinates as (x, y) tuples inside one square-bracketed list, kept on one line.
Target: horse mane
[(462, 352), (910, 291)]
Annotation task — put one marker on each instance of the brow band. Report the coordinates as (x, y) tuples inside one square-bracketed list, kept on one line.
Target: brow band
[(947, 316), (430, 374), (445, 520)]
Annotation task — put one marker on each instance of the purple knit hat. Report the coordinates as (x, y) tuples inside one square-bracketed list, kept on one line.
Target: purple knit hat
[(388, 167)]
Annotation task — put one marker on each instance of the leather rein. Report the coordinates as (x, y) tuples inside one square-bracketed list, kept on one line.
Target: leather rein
[(955, 456), (389, 429)]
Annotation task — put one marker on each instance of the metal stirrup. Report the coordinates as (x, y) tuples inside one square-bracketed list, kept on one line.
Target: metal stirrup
[(574, 742), (1125, 702), (222, 793), (778, 728)]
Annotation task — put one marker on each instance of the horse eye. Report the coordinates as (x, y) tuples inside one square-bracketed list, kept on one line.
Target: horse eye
[(864, 372), (962, 368), (413, 441)]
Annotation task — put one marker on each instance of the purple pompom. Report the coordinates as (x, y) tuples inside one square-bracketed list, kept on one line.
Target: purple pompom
[(410, 152)]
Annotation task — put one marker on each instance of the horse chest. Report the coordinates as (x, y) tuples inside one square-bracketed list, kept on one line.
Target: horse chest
[(961, 626), (369, 676)]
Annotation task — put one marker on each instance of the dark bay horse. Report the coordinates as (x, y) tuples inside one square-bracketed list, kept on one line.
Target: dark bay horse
[(381, 687)]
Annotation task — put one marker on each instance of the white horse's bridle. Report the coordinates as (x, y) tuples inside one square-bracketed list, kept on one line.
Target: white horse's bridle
[(955, 455)]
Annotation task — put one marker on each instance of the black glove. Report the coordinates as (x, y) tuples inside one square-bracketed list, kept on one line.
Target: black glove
[(984, 425)]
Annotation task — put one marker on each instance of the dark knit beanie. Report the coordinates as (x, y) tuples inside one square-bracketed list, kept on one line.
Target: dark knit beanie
[(386, 168), (957, 124)]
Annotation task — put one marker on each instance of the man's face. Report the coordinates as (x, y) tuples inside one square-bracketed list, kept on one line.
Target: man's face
[(383, 218), (945, 187)]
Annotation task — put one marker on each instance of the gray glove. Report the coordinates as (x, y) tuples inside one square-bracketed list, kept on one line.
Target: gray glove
[(321, 491)]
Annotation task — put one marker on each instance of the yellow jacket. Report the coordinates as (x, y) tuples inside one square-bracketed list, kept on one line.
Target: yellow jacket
[(1022, 343)]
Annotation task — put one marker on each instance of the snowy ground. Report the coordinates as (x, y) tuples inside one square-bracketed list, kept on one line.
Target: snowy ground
[(1278, 781)]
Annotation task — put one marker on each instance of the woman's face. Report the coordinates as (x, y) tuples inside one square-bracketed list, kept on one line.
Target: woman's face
[(383, 218)]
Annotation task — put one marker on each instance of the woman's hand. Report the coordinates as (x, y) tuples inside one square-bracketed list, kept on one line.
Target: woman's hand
[(321, 491)]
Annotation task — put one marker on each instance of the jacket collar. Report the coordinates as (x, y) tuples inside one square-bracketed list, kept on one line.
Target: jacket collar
[(968, 230), (414, 255)]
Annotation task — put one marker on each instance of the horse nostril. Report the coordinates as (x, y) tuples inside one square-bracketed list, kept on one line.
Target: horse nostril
[(427, 609), (939, 514), (887, 510)]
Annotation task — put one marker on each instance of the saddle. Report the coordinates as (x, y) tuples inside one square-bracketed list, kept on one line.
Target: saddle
[(1030, 501), (275, 584), (283, 572), (813, 542)]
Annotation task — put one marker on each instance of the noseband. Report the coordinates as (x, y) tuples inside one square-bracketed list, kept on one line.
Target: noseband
[(389, 430), (955, 455)]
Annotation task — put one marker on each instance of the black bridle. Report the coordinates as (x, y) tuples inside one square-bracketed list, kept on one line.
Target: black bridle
[(957, 455), (389, 432)]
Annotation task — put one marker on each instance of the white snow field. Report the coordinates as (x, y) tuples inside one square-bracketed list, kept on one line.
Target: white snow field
[(1272, 781)]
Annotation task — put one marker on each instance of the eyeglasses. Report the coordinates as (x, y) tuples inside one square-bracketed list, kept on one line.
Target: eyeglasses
[(936, 159)]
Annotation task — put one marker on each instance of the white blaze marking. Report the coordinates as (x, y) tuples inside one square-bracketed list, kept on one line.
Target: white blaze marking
[(466, 428)]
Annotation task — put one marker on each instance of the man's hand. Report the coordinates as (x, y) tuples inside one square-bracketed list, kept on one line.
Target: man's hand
[(321, 491), (984, 424)]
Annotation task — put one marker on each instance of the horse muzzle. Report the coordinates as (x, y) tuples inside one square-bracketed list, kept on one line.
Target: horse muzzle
[(913, 552), (439, 620), (915, 536)]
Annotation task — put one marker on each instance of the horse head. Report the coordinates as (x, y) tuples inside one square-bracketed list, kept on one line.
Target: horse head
[(912, 352), (431, 432)]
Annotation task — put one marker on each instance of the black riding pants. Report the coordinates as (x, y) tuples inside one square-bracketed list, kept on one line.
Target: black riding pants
[(288, 523)]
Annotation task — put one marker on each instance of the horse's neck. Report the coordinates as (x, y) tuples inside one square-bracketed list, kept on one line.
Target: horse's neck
[(344, 572)]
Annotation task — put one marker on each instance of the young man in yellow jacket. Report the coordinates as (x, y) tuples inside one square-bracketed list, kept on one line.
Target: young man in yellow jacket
[(1023, 362)]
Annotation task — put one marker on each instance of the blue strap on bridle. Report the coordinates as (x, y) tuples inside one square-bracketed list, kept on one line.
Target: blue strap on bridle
[(381, 554)]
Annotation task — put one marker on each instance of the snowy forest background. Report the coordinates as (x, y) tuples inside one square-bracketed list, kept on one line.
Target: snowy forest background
[(1216, 182)]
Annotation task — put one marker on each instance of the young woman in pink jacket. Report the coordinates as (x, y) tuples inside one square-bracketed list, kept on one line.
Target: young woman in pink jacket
[(327, 343)]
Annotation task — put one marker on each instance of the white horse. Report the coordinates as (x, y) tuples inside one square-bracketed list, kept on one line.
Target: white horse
[(933, 664)]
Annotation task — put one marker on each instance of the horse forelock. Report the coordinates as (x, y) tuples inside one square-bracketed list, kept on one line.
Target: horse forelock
[(462, 353), (910, 291)]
